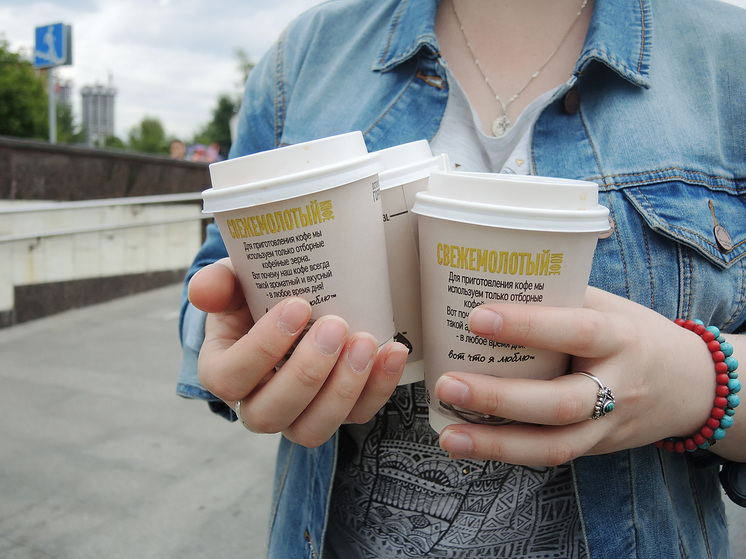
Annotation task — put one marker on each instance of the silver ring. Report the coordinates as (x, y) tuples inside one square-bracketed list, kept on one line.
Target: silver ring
[(605, 401), (238, 413)]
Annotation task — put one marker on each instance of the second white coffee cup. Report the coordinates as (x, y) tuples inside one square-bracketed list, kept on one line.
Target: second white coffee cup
[(405, 170)]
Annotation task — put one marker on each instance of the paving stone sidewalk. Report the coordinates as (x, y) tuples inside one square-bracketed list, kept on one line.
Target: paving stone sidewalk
[(100, 459)]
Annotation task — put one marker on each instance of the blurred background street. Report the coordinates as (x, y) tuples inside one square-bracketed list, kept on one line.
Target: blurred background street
[(99, 457)]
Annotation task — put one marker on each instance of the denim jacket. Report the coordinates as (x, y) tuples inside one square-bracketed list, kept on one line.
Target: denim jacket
[(654, 114)]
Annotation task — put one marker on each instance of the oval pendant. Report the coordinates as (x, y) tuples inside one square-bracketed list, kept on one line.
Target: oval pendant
[(501, 125)]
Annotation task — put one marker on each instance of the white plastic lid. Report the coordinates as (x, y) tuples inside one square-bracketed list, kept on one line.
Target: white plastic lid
[(404, 154), (513, 202), (288, 172), (409, 162)]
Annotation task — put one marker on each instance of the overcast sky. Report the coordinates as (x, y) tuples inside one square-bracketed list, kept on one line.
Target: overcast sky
[(168, 59)]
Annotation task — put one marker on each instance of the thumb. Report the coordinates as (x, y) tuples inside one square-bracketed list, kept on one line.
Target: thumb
[(215, 288)]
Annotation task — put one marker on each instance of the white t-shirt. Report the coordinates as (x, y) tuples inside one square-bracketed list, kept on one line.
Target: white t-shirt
[(469, 149)]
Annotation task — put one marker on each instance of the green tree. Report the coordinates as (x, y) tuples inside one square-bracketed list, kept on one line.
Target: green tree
[(114, 142), (148, 137), (67, 130), (23, 100), (219, 128), (245, 66)]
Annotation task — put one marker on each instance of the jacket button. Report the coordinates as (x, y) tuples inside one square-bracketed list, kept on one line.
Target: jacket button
[(724, 241), (572, 101)]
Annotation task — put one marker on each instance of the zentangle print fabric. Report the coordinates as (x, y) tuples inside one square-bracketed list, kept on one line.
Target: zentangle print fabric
[(397, 494)]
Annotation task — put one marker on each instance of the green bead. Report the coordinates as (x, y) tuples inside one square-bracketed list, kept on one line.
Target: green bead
[(608, 407), (733, 400), (714, 329), (726, 348), (726, 422), (734, 386), (731, 362), (718, 434)]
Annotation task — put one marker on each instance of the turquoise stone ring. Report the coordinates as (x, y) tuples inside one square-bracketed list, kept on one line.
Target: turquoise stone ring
[(604, 398)]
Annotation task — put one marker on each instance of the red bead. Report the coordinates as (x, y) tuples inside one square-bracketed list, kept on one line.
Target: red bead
[(722, 379), (708, 336), (658, 444)]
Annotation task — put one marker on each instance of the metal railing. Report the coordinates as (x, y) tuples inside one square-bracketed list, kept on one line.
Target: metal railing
[(103, 203)]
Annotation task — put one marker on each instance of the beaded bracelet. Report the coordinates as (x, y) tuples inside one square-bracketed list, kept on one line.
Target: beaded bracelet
[(726, 392)]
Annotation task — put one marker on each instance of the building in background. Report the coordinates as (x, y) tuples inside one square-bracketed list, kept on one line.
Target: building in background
[(98, 113), (64, 92)]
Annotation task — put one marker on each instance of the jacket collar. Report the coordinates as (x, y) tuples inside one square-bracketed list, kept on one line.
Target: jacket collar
[(411, 29), (620, 36), (626, 49)]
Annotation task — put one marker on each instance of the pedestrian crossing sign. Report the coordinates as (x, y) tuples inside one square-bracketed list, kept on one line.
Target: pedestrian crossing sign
[(53, 46)]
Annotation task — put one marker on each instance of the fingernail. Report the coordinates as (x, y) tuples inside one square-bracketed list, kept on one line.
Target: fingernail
[(452, 391), (294, 317), (485, 321), (395, 360), (361, 353), (330, 335), (456, 443)]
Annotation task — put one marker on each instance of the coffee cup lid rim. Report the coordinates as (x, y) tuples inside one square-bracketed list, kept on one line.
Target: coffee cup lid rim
[(417, 170), (591, 220), (509, 177), (289, 186)]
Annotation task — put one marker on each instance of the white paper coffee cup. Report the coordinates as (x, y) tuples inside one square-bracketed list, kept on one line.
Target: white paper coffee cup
[(405, 171), (488, 238), (305, 220)]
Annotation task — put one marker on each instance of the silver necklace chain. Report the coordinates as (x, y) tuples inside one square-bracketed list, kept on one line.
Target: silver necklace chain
[(502, 123)]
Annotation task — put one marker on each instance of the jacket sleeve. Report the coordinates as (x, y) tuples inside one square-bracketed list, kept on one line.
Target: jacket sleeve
[(257, 131)]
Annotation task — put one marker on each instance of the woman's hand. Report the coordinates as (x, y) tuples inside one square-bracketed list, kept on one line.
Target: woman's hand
[(332, 377), (661, 375)]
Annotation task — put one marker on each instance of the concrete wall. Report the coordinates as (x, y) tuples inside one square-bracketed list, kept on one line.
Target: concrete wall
[(42, 272), (31, 170)]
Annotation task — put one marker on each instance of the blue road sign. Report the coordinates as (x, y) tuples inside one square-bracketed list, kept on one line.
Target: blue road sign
[(53, 46)]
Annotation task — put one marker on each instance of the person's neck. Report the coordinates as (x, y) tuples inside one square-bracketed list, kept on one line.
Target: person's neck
[(512, 39)]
